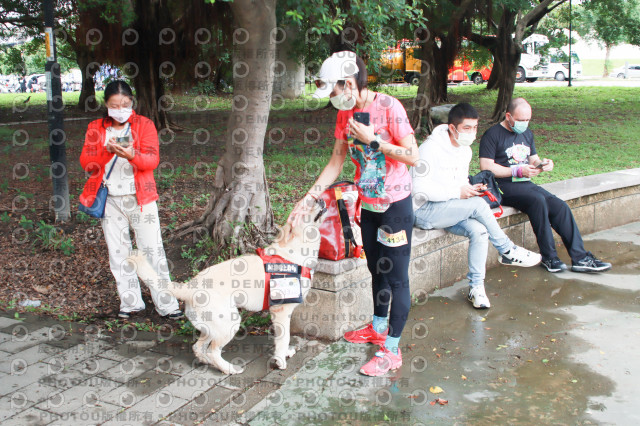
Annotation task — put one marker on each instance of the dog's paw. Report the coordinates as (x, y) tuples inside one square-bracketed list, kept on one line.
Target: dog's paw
[(233, 369), (291, 351), (280, 362)]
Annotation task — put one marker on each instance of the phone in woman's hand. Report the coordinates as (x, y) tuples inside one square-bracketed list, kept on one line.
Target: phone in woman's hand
[(123, 141), (361, 117)]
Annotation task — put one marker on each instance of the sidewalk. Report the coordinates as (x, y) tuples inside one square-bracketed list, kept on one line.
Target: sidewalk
[(555, 348)]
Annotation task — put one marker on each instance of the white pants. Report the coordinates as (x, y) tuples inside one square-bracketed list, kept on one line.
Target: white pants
[(120, 214)]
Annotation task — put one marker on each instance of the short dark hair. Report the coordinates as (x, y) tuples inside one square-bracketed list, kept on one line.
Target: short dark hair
[(460, 112), (362, 78)]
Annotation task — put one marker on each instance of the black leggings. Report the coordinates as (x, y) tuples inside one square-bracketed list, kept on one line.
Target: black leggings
[(389, 266)]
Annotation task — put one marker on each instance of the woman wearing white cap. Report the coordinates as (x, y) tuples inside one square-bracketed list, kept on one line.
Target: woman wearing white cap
[(381, 152)]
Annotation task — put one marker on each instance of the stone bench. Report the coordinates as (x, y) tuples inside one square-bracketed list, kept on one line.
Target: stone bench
[(340, 298)]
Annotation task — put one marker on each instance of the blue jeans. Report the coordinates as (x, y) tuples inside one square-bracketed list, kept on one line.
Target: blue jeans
[(470, 218)]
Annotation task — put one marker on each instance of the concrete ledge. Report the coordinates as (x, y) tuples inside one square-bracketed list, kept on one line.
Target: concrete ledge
[(340, 298)]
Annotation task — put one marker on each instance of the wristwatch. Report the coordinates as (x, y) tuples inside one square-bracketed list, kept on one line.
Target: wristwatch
[(375, 144)]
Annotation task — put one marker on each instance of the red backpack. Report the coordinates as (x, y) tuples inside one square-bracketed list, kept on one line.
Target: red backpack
[(341, 225)]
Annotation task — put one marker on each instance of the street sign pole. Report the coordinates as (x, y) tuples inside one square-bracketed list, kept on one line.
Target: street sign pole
[(59, 201), (570, 57)]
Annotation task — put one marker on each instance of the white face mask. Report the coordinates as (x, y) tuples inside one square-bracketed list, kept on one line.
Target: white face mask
[(342, 103), (121, 115), (465, 139)]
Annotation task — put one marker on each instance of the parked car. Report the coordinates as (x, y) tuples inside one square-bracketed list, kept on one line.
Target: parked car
[(632, 71)]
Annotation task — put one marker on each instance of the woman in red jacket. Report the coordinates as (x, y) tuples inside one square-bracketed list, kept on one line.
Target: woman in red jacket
[(131, 202)]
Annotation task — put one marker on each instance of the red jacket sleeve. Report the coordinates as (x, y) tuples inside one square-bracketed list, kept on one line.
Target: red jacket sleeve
[(148, 152), (94, 156)]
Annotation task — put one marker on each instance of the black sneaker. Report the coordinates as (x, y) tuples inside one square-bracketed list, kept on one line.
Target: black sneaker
[(554, 265), (126, 315), (176, 315), (590, 264)]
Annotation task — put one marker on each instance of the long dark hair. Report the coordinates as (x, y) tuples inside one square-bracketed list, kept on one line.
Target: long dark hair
[(116, 87)]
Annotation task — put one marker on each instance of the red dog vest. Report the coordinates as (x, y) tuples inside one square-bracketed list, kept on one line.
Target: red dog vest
[(277, 266)]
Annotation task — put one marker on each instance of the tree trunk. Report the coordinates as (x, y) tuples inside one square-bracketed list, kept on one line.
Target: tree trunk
[(432, 89), (605, 72), (421, 116), (240, 195), (496, 71), (506, 58), (150, 90), (87, 101), (145, 71)]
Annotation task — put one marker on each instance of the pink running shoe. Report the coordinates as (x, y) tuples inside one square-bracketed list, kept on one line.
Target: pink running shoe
[(383, 361), (366, 335)]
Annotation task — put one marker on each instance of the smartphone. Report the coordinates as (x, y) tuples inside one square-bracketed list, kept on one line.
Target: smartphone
[(361, 117), (541, 165), (123, 141)]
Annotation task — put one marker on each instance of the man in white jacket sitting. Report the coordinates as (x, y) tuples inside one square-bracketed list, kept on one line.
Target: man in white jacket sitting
[(444, 199)]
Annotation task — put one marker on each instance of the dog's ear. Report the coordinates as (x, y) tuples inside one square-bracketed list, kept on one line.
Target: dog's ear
[(286, 235)]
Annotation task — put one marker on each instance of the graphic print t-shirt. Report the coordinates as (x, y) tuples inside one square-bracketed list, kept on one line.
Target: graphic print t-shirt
[(507, 148), (380, 180)]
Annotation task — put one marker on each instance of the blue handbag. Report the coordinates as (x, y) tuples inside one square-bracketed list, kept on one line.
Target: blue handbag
[(97, 208)]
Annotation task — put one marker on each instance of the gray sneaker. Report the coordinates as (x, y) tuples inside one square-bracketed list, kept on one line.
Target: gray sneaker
[(590, 264)]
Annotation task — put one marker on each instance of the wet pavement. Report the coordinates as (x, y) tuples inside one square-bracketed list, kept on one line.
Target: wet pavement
[(553, 348)]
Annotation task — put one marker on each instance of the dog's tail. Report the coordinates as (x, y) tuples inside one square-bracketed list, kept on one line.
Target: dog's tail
[(150, 277)]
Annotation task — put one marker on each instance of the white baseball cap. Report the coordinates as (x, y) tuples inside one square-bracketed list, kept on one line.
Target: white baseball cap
[(336, 67)]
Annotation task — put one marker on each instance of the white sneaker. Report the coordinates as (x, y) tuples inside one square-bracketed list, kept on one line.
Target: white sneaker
[(478, 297), (519, 256)]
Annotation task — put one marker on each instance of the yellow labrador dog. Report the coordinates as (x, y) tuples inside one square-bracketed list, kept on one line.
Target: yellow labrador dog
[(212, 297)]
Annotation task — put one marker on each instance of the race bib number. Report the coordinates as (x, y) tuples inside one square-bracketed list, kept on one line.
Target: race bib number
[(392, 240)]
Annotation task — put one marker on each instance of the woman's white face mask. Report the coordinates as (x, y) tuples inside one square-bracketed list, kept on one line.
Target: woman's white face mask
[(121, 115), (342, 101)]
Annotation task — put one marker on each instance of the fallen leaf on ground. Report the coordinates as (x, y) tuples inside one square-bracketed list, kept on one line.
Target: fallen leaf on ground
[(442, 401), (463, 377), (435, 389)]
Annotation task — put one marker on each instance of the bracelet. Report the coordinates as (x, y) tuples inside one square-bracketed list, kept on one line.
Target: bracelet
[(315, 197), (514, 171), (520, 171)]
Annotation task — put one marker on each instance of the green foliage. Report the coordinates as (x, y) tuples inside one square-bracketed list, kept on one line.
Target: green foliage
[(25, 223), (365, 26), (199, 254), (11, 61), (255, 319), (52, 238), (610, 22)]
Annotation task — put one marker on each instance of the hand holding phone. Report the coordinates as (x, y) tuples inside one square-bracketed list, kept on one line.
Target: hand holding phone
[(123, 141), (362, 118), (542, 164)]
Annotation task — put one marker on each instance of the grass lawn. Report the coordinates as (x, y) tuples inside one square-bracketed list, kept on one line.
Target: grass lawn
[(585, 130)]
